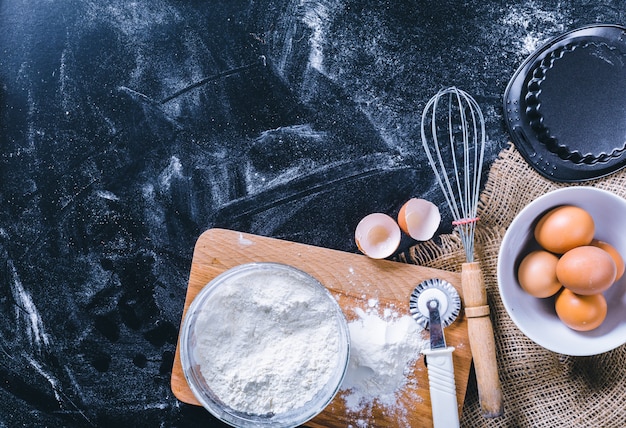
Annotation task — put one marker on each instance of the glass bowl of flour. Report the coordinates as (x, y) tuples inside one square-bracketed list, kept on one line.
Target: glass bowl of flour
[(264, 344)]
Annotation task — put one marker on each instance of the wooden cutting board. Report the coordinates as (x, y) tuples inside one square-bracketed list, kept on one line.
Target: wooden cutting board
[(354, 280)]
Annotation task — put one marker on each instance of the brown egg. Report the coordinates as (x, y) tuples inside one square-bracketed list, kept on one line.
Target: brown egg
[(617, 257), (586, 270), (537, 274), (582, 313), (564, 228)]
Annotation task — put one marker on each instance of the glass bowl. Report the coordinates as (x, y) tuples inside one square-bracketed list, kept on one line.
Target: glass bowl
[(247, 348)]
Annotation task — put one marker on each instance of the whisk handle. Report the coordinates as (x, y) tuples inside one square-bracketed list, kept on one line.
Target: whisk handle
[(481, 340)]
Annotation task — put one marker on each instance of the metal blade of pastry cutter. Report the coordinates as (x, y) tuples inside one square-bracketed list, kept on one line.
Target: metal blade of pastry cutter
[(437, 339), (449, 302)]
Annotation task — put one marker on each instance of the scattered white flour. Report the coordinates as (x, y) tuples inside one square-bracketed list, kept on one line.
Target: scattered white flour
[(535, 24), (267, 342), (383, 351), (244, 241)]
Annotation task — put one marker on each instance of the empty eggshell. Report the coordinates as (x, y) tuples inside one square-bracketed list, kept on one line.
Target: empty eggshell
[(419, 219), (377, 235)]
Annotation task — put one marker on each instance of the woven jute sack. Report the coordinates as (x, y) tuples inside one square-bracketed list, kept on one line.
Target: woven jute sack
[(540, 388)]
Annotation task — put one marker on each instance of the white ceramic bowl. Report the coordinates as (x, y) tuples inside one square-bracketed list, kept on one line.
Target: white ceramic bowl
[(214, 311), (535, 317)]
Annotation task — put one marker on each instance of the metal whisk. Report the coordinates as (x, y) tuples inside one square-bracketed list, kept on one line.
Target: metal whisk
[(453, 136), (455, 117)]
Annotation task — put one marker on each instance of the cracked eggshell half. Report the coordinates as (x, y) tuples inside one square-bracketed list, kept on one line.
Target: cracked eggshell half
[(377, 235), (419, 219)]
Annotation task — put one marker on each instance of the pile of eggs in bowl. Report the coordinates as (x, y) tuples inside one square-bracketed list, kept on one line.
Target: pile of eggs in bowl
[(571, 265)]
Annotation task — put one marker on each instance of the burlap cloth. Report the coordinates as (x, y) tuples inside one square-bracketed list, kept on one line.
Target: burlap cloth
[(540, 388)]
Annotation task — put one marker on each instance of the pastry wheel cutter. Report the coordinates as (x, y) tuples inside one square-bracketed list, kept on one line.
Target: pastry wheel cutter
[(435, 304)]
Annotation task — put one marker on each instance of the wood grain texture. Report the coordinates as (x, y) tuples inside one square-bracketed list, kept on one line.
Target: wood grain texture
[(482, 341), (353, 280)]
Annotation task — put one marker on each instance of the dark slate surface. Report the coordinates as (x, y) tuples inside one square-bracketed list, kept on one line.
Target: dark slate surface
[(104, 190)]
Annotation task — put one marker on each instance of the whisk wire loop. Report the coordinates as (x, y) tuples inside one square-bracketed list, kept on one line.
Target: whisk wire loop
[(457, 164)]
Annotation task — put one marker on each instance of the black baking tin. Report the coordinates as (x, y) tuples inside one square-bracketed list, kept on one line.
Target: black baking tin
[(565, 107)]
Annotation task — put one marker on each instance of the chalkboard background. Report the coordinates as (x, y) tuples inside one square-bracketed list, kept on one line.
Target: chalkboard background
[(104, 188)]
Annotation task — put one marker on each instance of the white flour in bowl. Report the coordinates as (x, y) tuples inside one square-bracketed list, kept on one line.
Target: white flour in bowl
[(271, 343)]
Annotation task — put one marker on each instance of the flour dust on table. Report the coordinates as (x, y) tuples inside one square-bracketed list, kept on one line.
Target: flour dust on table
[(383, 350)]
